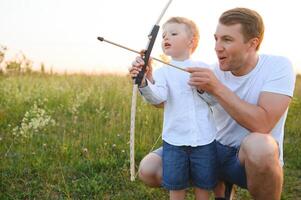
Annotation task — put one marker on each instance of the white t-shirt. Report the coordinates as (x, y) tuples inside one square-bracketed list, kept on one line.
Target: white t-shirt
[(188, 119), (271, 74)]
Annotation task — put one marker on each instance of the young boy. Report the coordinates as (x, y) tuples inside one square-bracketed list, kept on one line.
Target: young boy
[(189, 151)]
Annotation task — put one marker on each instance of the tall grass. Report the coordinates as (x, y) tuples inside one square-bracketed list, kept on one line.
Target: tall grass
[(67, 137)]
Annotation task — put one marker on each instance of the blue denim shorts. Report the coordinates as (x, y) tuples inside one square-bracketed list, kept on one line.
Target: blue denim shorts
[(182, 164), (229, 167)]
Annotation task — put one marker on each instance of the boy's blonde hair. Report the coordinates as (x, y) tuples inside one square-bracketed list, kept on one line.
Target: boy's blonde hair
[(191, 28)]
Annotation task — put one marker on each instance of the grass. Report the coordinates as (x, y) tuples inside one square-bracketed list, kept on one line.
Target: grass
[(67, 137)]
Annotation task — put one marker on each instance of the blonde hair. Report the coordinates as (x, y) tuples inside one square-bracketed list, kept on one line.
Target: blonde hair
[(251, 22), (191, 27)]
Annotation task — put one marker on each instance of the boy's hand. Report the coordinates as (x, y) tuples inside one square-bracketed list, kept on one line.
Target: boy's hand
[(136, 67)]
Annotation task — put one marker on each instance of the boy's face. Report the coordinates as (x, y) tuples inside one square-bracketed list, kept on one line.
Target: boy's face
[(231, 49), (177, 42)]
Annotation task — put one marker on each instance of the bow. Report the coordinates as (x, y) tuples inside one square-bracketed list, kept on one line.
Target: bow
[(152, 38), (137, 82)]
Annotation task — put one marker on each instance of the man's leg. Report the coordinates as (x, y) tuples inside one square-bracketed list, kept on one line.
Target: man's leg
[(230, 171), (150, 170), (259, 153)]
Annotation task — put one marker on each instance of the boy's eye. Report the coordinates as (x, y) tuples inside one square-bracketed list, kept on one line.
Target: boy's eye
[(174, 34)]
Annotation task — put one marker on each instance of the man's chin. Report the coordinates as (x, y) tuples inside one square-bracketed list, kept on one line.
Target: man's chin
[(223, 67)]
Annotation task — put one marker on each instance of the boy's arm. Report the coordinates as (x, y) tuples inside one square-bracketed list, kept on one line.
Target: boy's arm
[(154, 92)]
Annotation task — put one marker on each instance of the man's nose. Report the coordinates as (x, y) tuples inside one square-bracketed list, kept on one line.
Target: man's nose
[(218, 46)]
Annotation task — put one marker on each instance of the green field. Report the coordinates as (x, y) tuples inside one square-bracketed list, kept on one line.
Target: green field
[(67, 137)]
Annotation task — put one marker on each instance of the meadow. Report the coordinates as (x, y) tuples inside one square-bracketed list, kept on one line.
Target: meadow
[(67, 137)]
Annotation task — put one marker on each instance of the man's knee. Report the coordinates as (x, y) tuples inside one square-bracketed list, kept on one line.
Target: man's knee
[(150, 170), (260, 150)]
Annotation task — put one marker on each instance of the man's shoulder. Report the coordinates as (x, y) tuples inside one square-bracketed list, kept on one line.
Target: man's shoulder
[(274, 64), (278, 74), (275, 60), (273, 57)]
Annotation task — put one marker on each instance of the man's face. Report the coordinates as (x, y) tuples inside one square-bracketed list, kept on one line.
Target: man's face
[(230, 47)]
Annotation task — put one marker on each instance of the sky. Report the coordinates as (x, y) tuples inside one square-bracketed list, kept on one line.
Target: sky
[(62, 33)]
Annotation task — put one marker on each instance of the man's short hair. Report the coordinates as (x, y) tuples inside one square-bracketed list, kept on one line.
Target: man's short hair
[(251, 22)]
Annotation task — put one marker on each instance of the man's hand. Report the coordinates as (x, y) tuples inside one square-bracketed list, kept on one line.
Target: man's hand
[(204, 79)]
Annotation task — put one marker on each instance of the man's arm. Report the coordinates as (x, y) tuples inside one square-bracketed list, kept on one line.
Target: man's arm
[(256, 118)]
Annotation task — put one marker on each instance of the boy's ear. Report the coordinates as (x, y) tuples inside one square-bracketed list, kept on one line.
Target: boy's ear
[(191, 42)]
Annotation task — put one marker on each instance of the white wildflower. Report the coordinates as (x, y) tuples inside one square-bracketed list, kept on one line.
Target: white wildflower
[(34, 121)]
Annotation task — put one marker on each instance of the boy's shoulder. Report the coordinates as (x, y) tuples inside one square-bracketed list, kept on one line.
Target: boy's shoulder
[(186, 63), (199, 63), (205, 65)]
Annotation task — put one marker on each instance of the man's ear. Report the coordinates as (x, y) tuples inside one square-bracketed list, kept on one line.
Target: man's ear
[(254, 42)]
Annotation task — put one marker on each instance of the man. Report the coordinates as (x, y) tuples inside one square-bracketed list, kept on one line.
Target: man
[(250, 94)]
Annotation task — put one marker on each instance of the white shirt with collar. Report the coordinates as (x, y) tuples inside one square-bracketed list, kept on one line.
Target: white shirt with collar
[(188, 120)]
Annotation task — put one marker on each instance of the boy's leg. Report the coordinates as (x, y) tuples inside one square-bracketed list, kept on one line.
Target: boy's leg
[(224, 191), (219, 190), (203, 166), (175, 168), (177, 194), (201, 194)]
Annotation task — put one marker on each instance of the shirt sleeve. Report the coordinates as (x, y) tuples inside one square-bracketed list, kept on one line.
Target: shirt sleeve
[(281, 78), (156, 93), (208, 98)]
